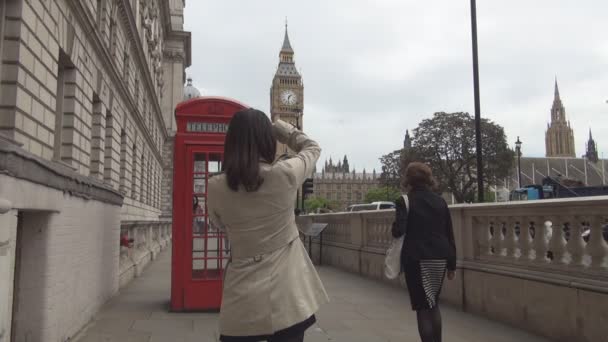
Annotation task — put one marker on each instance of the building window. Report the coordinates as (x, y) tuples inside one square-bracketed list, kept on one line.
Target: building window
[(97, 138), (123, 161), (125, 65), (134, 172), (109, 161), (2, 10), (65, 84), (142, 193)]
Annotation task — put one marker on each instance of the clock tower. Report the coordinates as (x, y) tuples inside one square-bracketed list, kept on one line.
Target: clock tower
[(287, 91)]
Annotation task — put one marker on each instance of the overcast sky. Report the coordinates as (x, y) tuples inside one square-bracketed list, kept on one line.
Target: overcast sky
[(374, 68)]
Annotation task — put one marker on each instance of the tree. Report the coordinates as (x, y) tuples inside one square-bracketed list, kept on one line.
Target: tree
[(313, 203), (384, 193), (392, 164), (447, 143)]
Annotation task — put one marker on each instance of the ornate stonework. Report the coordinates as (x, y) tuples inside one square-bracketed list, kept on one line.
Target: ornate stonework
[(287, 91), (559, 138), (345, 188)]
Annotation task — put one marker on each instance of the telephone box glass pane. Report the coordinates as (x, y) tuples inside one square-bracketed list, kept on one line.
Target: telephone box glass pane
[(198, 226), (199, 184), (200, 162), (215, 163)]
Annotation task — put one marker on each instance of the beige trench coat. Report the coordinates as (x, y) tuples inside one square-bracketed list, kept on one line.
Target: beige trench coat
[(270, 284)]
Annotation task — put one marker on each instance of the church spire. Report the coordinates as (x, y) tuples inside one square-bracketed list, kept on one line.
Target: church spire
[(286, 43), (559, 138), (407, 142)]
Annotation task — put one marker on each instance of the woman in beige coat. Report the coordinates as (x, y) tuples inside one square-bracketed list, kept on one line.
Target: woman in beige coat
[(271, 288)]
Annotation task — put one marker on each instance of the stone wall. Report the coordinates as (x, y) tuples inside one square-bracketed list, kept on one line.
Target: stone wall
[(149, 238), (544, 270), (65, 269), (82, 84), (85, 109)]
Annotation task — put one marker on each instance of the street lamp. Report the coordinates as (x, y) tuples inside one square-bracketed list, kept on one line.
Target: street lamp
[(480, 193), (518, 149)]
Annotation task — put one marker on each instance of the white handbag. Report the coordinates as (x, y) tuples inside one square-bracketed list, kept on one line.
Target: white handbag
[(392, 261)]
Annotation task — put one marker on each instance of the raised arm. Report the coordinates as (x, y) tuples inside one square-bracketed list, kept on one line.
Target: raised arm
[(308, 151)]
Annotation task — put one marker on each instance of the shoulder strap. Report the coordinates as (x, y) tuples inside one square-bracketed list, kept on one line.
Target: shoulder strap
[(406, 199)]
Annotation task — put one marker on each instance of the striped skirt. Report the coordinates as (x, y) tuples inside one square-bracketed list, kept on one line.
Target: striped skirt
[(424, 280)]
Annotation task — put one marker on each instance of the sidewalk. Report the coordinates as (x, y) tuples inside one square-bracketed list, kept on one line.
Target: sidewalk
[(361, 310)]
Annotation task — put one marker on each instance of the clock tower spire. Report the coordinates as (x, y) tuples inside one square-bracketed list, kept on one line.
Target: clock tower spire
[(287, 91)]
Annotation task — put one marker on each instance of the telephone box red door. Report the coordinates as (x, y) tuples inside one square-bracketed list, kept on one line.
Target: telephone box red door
[(200, 252)]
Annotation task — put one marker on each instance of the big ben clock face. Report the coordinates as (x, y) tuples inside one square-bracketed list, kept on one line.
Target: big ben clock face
[(289, 97)]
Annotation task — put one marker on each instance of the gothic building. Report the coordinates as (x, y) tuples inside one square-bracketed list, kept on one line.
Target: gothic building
[(287, 91), (341, 167), (345, 188), (559, 138), (592, 154), (407, 142)]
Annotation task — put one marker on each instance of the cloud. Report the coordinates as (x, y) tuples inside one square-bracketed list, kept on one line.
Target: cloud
[(373, 69)]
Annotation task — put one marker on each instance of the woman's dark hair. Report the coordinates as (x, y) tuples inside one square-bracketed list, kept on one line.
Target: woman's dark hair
[(418, 175), (249, 141)]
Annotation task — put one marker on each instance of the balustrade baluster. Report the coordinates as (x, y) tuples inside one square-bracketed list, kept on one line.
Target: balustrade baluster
[(510, 238), (497, 236), (484, 236), (540, 239), (576, 244), (557, 244), (597, 247), (525, 240)]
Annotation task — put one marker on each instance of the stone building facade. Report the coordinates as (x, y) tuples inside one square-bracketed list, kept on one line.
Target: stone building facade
[(559, 138), (86, 104), (344, 188)]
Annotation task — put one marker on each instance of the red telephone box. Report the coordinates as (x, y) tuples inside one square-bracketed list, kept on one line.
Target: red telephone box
[(200, 252)]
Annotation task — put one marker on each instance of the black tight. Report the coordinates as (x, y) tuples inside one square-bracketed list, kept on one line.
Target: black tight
[(296, 338), (429, 324)]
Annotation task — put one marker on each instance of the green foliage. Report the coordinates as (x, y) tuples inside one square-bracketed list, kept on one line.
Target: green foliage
[(447, 143), (383, 193), (313, 203)]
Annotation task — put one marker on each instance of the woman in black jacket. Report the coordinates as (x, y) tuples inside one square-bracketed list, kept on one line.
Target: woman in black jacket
[(428, 248)]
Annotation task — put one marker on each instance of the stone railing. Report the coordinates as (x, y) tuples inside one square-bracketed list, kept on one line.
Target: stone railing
[(538, 265), (140, 243)]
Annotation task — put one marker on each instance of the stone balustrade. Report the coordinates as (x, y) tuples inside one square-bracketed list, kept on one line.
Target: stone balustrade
[(148, 239), (538, 265)]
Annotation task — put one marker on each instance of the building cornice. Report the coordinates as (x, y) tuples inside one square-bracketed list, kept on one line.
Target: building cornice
[(18, 163)]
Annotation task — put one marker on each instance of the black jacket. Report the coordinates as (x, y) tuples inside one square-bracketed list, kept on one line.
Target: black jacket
[(427, 228)]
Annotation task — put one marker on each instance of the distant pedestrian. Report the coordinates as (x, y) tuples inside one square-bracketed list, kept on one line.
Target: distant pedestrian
[(428, 248), (271, 288)]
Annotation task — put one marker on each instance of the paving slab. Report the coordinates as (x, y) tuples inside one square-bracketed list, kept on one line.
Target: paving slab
[(361, 309)]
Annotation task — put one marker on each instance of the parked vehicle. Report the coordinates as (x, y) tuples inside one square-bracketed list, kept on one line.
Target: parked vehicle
[(371, 206)]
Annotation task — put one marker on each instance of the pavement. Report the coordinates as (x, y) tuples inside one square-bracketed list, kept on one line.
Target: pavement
[(361, 310)]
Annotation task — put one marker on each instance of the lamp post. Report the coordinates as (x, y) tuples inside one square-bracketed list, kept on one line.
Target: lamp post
[(518, 149), (480, 192)]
